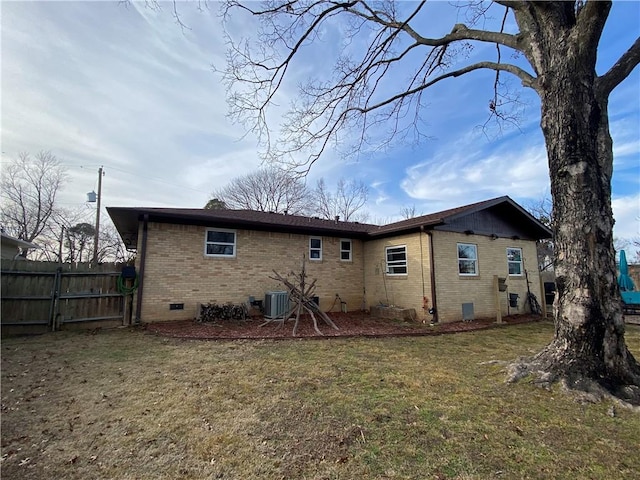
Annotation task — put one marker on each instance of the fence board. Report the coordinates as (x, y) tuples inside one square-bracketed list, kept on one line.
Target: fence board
[(41, 296)]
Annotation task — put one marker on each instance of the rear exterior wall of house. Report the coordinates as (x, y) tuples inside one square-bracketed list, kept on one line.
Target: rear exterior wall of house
[(178, 271), (400, 290), (413, 289), (454, 289)]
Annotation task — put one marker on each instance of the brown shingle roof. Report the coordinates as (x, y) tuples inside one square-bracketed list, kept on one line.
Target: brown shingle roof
[(504, 206), (126, 220), (437, 218)]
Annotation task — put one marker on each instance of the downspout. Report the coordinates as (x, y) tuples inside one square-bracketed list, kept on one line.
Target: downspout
[(363, 305), (143, 256), (424, 296), (432, 272)]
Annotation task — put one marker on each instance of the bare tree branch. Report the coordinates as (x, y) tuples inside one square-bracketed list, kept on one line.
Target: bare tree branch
[(458, 33), (620, 70), (269, 189), (345, 203), (357, 98), (409, 211), (513, 4), (29, 190)]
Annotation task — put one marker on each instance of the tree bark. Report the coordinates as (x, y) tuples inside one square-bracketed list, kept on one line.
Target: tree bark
[(588, 351)]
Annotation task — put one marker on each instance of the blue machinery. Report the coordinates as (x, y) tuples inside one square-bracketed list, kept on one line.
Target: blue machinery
[(630, 297)]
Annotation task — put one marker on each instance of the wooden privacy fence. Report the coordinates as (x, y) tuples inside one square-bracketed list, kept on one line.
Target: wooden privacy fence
[(47, 296)]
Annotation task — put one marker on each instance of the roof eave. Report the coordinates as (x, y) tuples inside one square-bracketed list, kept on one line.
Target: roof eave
[(387, 232), (125, 218), (18, 242)]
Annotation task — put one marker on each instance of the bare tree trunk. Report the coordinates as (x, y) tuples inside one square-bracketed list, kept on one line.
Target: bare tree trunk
[(560, 42), (588, 345)]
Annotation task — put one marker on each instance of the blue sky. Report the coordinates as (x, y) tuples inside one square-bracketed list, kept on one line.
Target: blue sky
[(101, 83)]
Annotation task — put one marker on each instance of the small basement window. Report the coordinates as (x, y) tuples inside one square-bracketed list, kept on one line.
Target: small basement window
[(220, 243), (396, 260)]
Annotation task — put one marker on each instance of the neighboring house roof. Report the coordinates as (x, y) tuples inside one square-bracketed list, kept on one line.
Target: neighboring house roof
[(126, 220), (12, 244)]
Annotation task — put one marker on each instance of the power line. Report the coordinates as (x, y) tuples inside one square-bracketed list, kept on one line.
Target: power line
[(128, 172), (146, 177), (158, 179)]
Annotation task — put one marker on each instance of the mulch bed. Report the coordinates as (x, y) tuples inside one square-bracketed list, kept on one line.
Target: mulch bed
[(349, 325)]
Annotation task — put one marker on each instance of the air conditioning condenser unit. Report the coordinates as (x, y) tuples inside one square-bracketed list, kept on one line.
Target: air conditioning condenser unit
[(276, 304)]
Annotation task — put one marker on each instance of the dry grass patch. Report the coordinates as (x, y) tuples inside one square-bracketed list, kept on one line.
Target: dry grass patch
[(122, 404)]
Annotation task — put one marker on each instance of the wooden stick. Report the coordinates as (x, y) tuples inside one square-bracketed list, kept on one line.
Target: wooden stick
[(295, 326), (315, 322), (301, 294)]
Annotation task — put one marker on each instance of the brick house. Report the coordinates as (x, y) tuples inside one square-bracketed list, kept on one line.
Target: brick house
[(433, 263)]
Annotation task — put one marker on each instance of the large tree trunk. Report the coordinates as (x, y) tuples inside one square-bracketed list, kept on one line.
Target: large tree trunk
[(588, 350)]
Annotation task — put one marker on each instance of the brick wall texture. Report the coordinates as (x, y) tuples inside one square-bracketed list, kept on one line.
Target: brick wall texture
[(178, 271), (452, 290)]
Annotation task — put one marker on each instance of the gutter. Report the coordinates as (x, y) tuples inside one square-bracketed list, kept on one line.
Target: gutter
[(143, 256), (432, 272)]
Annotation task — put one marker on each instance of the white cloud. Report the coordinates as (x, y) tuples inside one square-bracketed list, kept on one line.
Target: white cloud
[(125, 87), (626, 143), (631, 147), (465, 173), (100, 84), (626, 212)]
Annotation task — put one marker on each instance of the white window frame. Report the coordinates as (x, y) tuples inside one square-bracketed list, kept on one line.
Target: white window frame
[(396, 263), (220, 255), (349, 251), (315, 249), (474, 260), (515, 262)]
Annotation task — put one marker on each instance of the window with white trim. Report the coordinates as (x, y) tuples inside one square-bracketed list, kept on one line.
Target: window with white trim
[(220, 242), (514, 261), (345, 250), (396, 260), (315, 248), (467, 259)]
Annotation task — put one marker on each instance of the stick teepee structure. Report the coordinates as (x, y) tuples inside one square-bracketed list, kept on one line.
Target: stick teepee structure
[(300, 298)]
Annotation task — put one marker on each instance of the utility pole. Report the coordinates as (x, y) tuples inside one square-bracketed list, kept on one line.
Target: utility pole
[(95, 240), (61, 243)]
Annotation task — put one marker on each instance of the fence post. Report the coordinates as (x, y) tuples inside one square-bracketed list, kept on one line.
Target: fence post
[(55, 294)]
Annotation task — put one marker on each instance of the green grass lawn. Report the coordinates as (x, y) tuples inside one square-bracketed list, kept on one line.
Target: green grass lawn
[(122, 405)]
